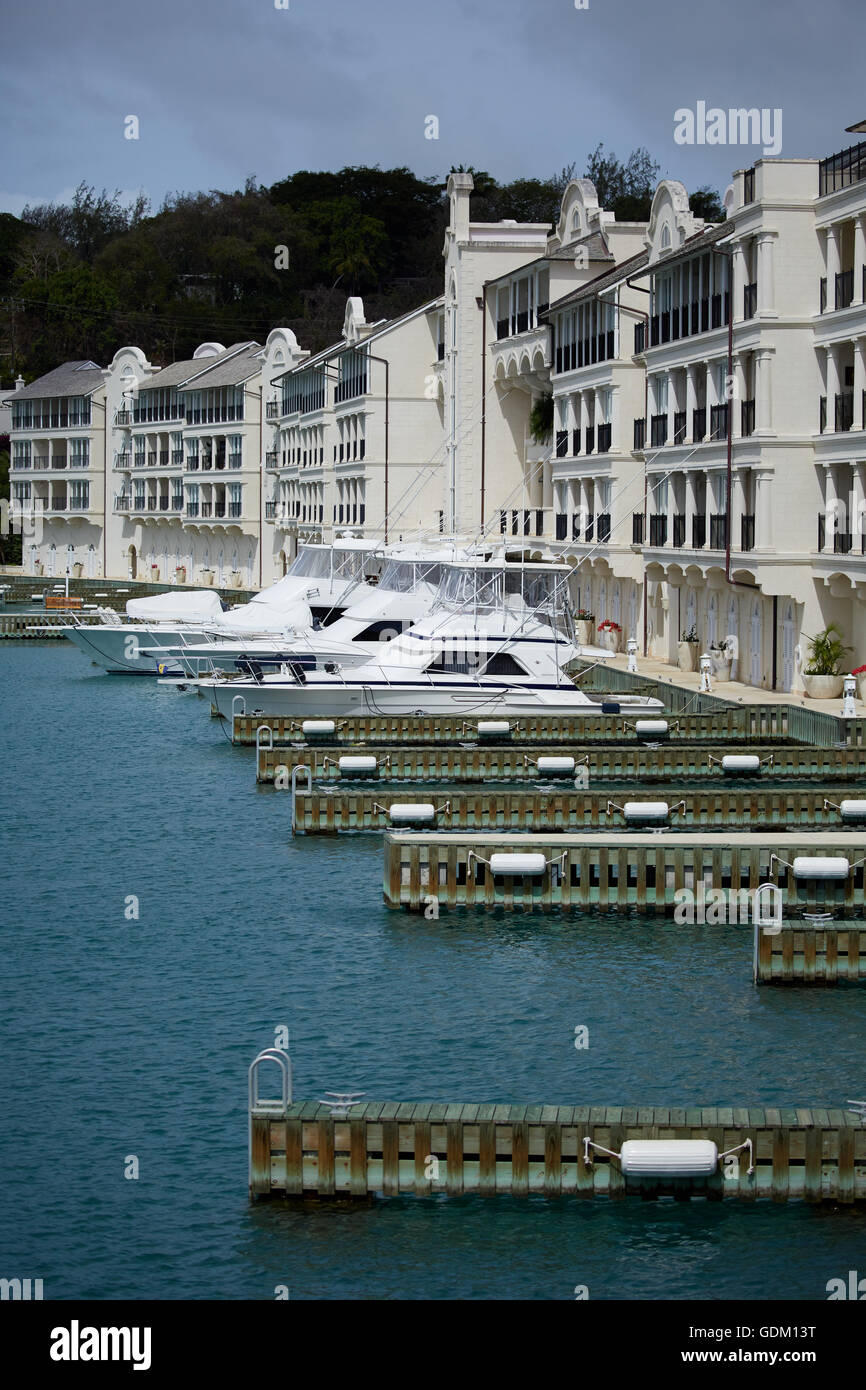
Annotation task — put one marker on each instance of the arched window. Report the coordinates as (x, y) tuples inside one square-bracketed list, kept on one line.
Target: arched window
[(575, 222), (666, 237)]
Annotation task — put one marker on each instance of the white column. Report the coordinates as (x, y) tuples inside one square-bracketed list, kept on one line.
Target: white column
[(596, 414), (857, 521), (766, 287), (615, 422), (763, 510), (832, 384), (830, 508), (691, 400), (859, 384), (738, 506), (709, 396), (735, 403), (582, 507), (763, 392), (691, 504), (584, 419), (859, 257), (738, 281), (834, 261), (672, 405)]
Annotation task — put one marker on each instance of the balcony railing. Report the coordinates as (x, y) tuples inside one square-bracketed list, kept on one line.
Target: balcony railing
[(575, 442), (658, 531), (272, 458), (207, 509), (750, 300), (590, 440), (177, 458), (272, 410), (844, 411), (192, 463), (151, 504), (842, 169), (699, 532), (219, 508), (123, 419), (562, 444), (270, 511), (844, 289), (658, 431), (679, 531), (822, 295), (235, 460), (719, 421), (747, 417), (604, 438), (822, 413), (637, 528), (718, 531), (699, 424), (639, 337), (561, 524), (235, 509), (192, 509), (526, 521), (679, 426), (603, 526), (747, 532)]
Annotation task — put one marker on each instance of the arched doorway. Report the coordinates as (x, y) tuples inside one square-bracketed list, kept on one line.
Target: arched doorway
[(712, 621), (70, 558), (52, 561), (91, 561), (34, 559), (132, 553)]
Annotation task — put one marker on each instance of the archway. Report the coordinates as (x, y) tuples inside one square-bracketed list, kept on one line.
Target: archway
[(132, 553), (789, 642), (52, 560), (91, 561), (756, 635)]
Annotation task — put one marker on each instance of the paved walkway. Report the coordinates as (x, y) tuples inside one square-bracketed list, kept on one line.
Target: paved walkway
[(731, 690)]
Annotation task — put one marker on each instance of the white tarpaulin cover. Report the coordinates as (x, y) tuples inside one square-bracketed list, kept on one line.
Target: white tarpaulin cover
[(202, 606), (266, 617)]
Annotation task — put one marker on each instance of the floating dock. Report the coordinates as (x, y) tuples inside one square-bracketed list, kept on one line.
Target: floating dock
[(628, 869), (302, 1150), (330, 810), (827, 953), (620, 762)]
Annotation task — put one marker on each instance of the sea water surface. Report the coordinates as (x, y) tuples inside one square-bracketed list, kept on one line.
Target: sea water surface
[(127, 1037)]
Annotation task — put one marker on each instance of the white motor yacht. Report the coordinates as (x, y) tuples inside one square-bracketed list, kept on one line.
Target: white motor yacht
[(320, 584), (496, 643)]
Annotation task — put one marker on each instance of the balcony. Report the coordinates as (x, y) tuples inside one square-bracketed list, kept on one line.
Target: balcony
[(503, 329), (235, 460), (235, 509), (138, 461), (177, 458), (270, 511), (164, 504), (699, 425), (844, 289), (699, 532), (639, 435), (122, 503), (747, 532), (679, 426), (272, 459), (41, 461), (658, 532), (206, 509), (192, 509), (637, 528), (842, 169), (844, 411), (750, 300), (123, 419), (604, 438), (679, 531), (658, 431), (718, 531), (151, 458), (272, 410), (719, 421), (192, 463), (219, 509), (151, 504), (747, 417)]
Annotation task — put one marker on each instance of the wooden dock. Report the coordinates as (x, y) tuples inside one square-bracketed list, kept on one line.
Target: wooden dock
[(622, 762), (820, 954), (301, 1150), (736, 723), (330, 810), (627, 869)]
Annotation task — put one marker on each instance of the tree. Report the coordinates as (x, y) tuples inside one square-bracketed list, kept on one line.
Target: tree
[(624, 189), (90, 221), (706, 203)]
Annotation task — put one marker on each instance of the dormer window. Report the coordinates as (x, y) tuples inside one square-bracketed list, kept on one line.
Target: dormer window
[(575, 222), (666, 237)]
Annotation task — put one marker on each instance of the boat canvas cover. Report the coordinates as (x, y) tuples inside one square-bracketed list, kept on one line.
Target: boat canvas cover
[(268, 617), (196, 607)]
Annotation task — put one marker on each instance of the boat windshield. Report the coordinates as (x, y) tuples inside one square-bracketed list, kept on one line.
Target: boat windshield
[(485, 590), (326, 562), (403, 576)]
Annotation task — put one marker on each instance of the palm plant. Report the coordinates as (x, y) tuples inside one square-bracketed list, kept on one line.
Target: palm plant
[(826, 652)]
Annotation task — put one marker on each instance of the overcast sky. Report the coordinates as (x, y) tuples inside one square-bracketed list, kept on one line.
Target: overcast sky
[(227, 88)]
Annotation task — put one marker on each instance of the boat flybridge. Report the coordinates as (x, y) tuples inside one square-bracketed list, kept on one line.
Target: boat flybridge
[(403, 594), (319, 586), (496, 642)]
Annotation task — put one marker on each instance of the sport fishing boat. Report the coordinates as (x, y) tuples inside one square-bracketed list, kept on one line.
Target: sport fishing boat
[(404, 594), (495, 644), (320, 584)]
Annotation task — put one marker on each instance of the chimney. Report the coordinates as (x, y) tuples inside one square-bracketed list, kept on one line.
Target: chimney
[(459, 187)]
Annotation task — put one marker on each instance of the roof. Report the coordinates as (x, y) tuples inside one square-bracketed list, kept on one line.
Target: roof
[(229, 370), (181, 374), (72, 379), (601, 282), (596, 248), (382, 327)]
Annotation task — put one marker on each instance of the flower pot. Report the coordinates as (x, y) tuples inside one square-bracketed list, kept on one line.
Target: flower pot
[(687, 656), (207, 576), (236, 579), (861, 687), (180, 574), (77, 570), (584, 629), (39, 568), (822, 687), (609, 640), (154, 572)]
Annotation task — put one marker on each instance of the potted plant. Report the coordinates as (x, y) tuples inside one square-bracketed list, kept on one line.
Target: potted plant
[(77, 570), (236, 579), (180, 574), (860, 673), (207, 576), (687, 650), (38, 567), (821, 677), (154, 573), (584, 623), (609, 634)]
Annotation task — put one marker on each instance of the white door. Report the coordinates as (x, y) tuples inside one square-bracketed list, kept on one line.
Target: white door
[(91, 562), (756, 634), (712, 620), (34, 556), (52, 560), (789, 638)]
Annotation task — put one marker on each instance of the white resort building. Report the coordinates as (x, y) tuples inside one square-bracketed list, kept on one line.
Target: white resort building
[(676, 408)]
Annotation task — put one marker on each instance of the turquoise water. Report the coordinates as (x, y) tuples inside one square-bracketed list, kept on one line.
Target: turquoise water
[(133, 1037)]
